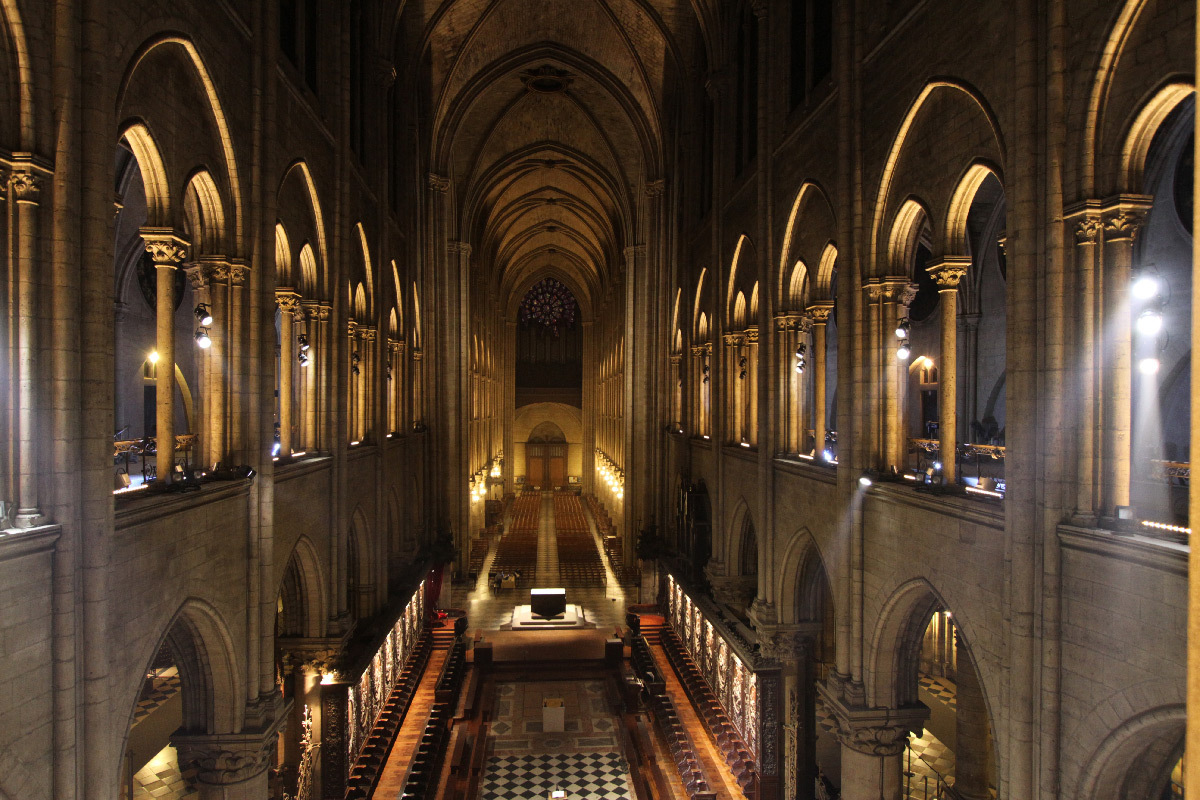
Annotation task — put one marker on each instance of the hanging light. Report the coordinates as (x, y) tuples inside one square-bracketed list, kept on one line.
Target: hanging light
[(1150, 322), (902, 328), (302, 340), (204, 314), (903, 352), (302, 357), (203, 339), (1145, 285), (1148, 366)]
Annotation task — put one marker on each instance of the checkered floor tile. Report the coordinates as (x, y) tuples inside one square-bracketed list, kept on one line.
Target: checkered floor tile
[(161, 779), (941, 688), (582, 776), (155, 692)]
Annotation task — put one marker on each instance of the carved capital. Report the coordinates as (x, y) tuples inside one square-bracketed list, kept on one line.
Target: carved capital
[(735, 339), (635, 252), (288, 300), (1123, 224), (656, 188), (367, 334), (898, 289), (752, 334), (948, 273), (238, 274), (25, 186), (1087, 229), (439, 183), (699, 351), (759, 8), (166, 248), (228, 759), (873, 731), (820, 312), (325, 312), (676, 359), (785, 646), (462, 249), (718, 84), (416, 354)]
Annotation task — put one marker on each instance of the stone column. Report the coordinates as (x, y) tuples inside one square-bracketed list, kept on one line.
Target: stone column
[(873, 742), (312, 373), (167, 250), (230, 766), (1087, 225), (325, 348), (289, 306), (948, 273), (368, 389), (676, 388), (25, 188), (1122, 220), (238, 372), (352, 383), (751, 421), (897, 294), (819, 313), (873, 357), (973, 747)]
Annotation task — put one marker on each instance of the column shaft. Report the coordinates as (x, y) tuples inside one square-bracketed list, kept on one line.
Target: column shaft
[(948, 379), (288, 305), (28, 511)]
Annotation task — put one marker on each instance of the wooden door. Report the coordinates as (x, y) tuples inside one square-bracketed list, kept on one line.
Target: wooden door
[(558, 471), (536, 467)]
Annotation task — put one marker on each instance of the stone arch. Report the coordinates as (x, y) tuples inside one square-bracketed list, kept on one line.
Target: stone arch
[(743, 273), (801, 561), (309, 598), (204, 653), (1132, 755), (1142, 130), (24, 83), (812, 220), (941, 95), (358, 564), (823, 288), (308, 271), (910, 220), (308, 190), (154, 173), (368, 270), (699, 314), (739, 522), (283, 255), (960, 205), (215, 108), (204, 215)]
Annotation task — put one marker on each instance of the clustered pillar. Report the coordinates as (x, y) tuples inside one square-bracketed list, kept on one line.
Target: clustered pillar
[(948, 274)]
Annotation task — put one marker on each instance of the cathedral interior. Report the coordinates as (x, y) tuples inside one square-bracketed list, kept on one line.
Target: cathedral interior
[(572, 399)]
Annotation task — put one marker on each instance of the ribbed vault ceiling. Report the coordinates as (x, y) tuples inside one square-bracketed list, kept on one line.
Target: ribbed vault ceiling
[(548, 115)]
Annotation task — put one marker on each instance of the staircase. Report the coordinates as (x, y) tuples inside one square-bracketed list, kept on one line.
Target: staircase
[(651, 626), (443, 637)]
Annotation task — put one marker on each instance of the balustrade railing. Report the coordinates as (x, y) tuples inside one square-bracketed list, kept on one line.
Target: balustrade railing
[(987, 461)]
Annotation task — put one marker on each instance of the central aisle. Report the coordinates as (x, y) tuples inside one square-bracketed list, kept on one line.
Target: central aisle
[(547, 552)]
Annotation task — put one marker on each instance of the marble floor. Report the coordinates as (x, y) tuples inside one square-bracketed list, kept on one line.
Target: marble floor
[(526, 761), (161, 779)]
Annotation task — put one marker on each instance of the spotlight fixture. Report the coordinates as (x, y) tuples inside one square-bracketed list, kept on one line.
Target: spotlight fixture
[(203, 339), (389, 372), (354, 361), (1145, 285), (937, 466), (902, 328), (302, 340), (204, 314), (1148, 366), (1150, 322), (865, 481), (827, 454), (903, 351), (705, 373), (302, 357), (152, 357)]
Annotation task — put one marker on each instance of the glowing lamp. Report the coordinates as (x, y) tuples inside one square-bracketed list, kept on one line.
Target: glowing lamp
[(1145, 286), (1148, 366), (203, 339), (1150, 322), (902, 352), (865, 481)]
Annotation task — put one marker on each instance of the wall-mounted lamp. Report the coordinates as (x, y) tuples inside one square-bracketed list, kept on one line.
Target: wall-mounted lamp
[(204, 314)]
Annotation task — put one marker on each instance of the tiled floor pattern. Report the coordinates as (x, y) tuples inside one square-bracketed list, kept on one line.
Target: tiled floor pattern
[(524, 761), (157, 690), (161, 779), (395, 769), (941, 688), (720, 779), (926, 759), (582, 776)]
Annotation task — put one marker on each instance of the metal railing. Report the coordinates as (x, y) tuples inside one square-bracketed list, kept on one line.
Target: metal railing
[(140, 451)]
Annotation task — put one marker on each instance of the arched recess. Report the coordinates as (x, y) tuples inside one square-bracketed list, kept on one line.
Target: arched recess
[(950, 102), (302, 590), (956, 242), (810, 229), (204, 215), (368, 269), (359, 587), (740, 522), (202, 648), (801, 561), (743, 275), (24, 82), (299, 170), (215, 109), (1134, 761)]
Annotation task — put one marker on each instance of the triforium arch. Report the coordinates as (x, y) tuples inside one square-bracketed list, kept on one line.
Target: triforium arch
[(303, 592)]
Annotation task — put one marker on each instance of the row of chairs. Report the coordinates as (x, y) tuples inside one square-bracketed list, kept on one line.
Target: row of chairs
[(670, 727), (526, 513), (451, 678), (603, 522), (711, 713), (423, 776), (568, 514), (365, 771)]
